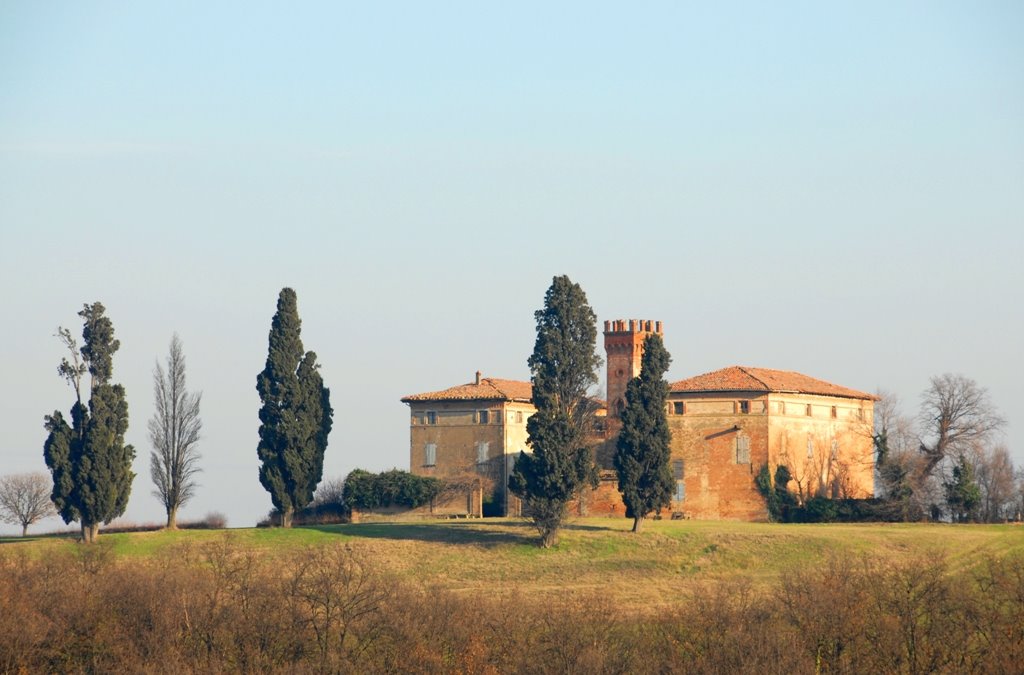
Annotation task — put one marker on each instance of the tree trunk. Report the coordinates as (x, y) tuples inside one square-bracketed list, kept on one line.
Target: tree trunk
[(638, 523), (89, 532), (24, 529), (549, 538), (172, 519), (286, 517)]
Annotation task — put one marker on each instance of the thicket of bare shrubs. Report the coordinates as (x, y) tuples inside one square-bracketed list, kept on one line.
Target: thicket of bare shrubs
[(222, 608)]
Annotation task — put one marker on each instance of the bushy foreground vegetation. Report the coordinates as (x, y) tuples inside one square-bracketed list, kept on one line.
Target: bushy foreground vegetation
[(367, 491), (335, 499), (212, 603)]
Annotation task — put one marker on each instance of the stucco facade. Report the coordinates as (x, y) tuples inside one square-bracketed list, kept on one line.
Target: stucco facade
[(725, 426), (721, 438), (473, 429)]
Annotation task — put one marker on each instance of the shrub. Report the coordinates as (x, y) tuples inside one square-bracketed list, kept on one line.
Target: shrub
[(215, 520), (121, 526), (368, 491), (783, 508), (220, 607), (777, 497), (820, 510)]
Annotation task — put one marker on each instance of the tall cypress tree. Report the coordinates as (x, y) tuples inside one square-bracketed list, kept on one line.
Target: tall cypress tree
[(91, 465), (642, 450), (564, 366), (295, 415)]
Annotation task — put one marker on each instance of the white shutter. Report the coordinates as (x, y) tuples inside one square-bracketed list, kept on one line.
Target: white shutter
[(743, 450)]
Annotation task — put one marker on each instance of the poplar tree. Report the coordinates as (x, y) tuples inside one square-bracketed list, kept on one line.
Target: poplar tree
[(295, 416), (90, 463), (174, 434), (642, 449), (563, 368)]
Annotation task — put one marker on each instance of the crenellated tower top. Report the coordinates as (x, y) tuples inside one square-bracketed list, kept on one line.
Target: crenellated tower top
[(624, 346)]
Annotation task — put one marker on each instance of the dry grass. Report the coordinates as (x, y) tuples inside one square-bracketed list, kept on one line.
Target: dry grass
[(642, 573), (481, 597)]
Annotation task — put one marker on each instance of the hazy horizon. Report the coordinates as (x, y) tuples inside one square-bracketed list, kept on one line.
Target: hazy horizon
[(834, 190)]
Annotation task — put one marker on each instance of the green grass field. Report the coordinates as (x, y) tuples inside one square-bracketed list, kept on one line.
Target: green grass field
[(643, 572)]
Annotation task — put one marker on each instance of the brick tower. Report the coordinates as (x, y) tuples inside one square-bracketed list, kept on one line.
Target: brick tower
[(624, 346)]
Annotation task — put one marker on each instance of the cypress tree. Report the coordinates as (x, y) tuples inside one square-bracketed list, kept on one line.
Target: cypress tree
[(962, 491), (642, 450), (90, 463), (295, 416), (563, 367)]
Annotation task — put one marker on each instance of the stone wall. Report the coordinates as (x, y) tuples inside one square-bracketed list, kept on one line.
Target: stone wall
[(462, 502)]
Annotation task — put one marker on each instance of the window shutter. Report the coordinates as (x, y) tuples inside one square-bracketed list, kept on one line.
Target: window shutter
[(743, 450)]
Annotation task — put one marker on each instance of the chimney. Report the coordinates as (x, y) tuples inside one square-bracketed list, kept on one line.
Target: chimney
[(478, 377)]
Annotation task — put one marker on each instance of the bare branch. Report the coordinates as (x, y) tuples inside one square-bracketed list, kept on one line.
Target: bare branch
[(174, 432), (72, 370), (955, 414), (25, 499)]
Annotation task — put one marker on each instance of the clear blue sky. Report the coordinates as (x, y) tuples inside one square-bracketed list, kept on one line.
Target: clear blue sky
[(833, 189)]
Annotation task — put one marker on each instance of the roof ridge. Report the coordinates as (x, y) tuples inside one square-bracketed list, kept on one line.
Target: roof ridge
[(746, 371), (752, 378), (487, 388), (490, 381)]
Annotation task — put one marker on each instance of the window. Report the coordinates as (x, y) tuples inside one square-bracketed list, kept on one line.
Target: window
[(679, 408), (430, 454), (835, 448), (483, 416), (834, 412), (742, 449), (677, 472), (519, 417), (481, 451), (744, 407), (810, 413), (810, 447), (431, 417)]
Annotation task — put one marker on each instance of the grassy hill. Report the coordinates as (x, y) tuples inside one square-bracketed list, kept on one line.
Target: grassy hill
[(644, 572), (482, 597)]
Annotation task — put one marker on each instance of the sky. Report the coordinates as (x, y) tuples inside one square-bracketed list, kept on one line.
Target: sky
[(831, 188)]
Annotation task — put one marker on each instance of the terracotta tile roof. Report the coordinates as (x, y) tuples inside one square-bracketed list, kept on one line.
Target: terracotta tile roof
[(489, 389), (743, 378)]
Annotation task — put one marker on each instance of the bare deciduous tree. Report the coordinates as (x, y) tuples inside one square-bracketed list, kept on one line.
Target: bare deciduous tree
[(1017, 510), (329, 492), (174, 432), (893, 431), (955, 414), (995, 476), (901, 478), (25, 499)]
